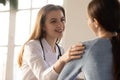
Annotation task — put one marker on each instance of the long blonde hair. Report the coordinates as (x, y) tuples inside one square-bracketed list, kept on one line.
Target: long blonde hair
[(38, 32)]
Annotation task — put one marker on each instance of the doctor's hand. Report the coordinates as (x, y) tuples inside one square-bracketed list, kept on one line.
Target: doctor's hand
[(74, 52)]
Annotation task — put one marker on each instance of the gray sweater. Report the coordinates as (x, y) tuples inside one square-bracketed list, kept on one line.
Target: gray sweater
[(96, 63)]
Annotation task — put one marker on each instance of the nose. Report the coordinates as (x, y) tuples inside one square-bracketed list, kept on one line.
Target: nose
[(60, 24)]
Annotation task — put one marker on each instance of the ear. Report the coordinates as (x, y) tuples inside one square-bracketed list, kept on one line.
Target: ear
[(96, 23)]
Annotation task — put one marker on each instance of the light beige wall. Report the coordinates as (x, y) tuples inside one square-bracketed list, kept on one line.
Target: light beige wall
[(76, 25)]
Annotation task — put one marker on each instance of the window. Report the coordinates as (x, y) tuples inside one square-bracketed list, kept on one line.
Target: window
[(4, 23), (12, 28)]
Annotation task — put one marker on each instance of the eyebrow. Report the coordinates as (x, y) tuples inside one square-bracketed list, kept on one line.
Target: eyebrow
[(53, 18), (56, 18)]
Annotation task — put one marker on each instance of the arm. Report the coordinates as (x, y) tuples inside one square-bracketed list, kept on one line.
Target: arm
[(73, 52), (38, 65), (33, 56), (93, 62), (71, 70)]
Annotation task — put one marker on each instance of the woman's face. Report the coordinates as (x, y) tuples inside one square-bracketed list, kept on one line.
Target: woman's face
[(54, 24)]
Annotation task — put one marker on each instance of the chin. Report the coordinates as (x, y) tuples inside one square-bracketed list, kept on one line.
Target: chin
[(60, 36)]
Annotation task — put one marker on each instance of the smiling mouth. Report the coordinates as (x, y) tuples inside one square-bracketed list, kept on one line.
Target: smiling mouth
[(59, 30)]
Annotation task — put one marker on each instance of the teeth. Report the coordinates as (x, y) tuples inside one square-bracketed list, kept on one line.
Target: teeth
[(59, 30)]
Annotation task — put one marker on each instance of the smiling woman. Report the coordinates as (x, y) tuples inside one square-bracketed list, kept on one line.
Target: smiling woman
[(12, 38), (41, 57)]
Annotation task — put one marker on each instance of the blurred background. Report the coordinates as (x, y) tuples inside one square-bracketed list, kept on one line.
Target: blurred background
[(17, 24)]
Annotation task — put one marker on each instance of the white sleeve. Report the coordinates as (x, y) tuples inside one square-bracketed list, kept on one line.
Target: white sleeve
[(50, 76), (32, 54)]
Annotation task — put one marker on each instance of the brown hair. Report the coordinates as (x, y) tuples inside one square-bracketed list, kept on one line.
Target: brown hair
[(107, 12), (38, 32)]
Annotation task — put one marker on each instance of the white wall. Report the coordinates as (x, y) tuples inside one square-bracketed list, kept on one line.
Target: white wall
[(76, 22)]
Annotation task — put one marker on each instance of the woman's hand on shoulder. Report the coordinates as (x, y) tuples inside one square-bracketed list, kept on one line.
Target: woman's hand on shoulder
[(74, 52)]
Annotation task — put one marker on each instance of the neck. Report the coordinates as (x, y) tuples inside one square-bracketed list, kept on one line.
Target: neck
[(52, 43), (106, 34)]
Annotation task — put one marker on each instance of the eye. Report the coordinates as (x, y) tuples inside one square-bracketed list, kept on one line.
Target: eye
[(53, 21), (63, 20)]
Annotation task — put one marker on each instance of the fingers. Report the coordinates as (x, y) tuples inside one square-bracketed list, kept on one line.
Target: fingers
[(78, 44), (75, 57), (77, 47), (76, 51)]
